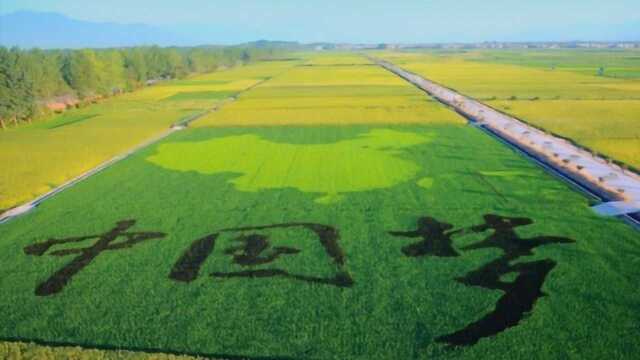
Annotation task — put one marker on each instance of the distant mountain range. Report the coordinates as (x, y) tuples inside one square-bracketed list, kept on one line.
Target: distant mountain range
[(28, 29), (46, 30)]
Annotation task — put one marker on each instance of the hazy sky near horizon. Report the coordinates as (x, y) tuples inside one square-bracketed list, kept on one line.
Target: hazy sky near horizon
[(364, 21)]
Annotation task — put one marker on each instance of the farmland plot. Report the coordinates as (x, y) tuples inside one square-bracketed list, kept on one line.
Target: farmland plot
[(612, 63), (598, 112), (34, 162), (388, 240), (327, 91)]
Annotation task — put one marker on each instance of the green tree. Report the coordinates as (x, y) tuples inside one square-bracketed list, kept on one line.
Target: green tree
[(113, 74), (17, 96), (157, 64), (6, 91), (28, 77), (43, 68), (245, 56), (176, 66), (135, 68), (82, 71)]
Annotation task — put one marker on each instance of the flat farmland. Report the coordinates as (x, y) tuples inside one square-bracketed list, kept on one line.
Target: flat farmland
[(96, 133), (342, 90), (283, 236), (552, 90), (614, 63), (609, 127)]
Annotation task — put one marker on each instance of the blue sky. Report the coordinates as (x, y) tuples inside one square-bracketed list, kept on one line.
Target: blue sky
[(364, 21)]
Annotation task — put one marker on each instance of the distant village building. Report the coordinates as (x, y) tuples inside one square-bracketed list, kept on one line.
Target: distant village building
[(526, 45)]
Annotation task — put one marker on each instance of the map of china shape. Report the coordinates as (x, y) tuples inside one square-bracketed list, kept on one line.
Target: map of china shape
[(367, 162)]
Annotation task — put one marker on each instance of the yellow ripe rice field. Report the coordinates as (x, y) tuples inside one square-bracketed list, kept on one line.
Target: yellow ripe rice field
[(605, 125), (344, 92), (598, 112)]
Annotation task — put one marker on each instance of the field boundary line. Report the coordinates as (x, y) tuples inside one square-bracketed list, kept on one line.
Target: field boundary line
[(607, 181)]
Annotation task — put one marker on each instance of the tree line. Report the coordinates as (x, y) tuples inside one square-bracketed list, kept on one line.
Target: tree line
[(29, 79)]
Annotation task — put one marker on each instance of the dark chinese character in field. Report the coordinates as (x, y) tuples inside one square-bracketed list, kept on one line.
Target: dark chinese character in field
[(254, 249), (436, 239), (86, 255), (520, 294)]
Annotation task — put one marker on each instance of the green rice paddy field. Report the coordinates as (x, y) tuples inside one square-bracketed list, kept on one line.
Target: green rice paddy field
[(418, 237), (558, 90)]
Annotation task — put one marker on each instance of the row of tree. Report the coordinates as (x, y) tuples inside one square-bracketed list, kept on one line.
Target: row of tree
[(31, 78)]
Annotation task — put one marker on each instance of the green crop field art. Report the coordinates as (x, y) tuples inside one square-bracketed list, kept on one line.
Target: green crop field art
[(411, 236)]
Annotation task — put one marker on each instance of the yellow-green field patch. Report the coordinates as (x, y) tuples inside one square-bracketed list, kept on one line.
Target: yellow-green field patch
[(342, 95)]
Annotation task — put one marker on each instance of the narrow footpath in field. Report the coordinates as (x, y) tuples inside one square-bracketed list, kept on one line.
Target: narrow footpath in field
[(618, 187)]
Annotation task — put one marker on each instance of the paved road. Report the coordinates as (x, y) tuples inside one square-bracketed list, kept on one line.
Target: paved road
[(619, 187)]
